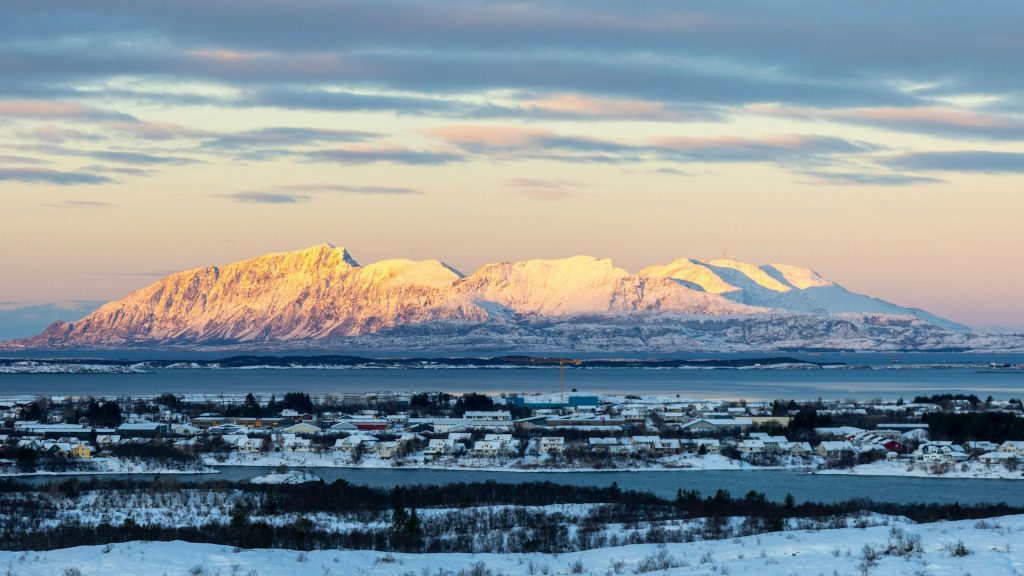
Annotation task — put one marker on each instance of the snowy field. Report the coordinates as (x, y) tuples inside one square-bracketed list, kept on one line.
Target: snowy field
[(987, 547)]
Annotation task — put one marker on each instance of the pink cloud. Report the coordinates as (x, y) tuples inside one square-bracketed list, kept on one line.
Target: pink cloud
[(596, 107), (48, 109), (922, 117), (490, 136)]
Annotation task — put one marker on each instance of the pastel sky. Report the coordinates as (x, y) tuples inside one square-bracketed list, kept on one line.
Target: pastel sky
[(880, 143)]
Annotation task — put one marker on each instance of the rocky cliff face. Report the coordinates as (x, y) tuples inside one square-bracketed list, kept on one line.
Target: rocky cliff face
[(322, 297)]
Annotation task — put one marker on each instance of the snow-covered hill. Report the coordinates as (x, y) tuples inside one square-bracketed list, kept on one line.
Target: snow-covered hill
[(321, 297)]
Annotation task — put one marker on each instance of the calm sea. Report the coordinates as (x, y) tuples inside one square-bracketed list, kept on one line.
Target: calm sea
[(725, 384)]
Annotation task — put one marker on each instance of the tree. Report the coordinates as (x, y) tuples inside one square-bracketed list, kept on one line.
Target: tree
[(26, 459), (298, 401), (250, 408), (472, 401), (413, 529)]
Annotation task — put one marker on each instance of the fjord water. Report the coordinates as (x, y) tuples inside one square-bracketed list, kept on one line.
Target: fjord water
[(775, 484), (751, 384)]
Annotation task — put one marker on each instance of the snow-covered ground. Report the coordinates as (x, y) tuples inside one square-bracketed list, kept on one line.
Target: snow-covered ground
[(332, 459), (990, 547), (291, 477), (971, 469), (116, 465)]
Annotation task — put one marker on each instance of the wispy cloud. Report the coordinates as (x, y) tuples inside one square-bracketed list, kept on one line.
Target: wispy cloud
[(297, 193), (36, 175), (140, 158), (12, 159), (547, 189), (350, 189), (946, 121), (256, 197), (983, 161), (285, 136), (382, 153), (869, 179), (81, 204)]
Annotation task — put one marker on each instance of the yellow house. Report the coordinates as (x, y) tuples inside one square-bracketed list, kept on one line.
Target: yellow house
[(80, 451)]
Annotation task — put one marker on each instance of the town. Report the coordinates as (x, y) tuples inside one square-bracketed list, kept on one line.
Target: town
[(958, 435)]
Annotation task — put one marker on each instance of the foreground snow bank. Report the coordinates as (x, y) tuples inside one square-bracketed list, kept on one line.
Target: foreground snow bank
[(990, 547)]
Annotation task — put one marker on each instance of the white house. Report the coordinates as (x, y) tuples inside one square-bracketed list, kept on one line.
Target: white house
[(442, 447), (551, 444), (834, 449), (944, 451), (486, 448), (1013, 447), (997, 457)]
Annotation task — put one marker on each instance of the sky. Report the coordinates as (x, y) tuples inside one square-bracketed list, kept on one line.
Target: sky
[(880, 143)]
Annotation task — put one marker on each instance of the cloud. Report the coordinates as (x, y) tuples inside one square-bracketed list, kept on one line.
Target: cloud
[(256, 197), (582, 106), (81, 204), (943, 121), (285, 136), (349, 189), (547, 189), (960, 161), (56, 134), (296, 193), (382, 153), (511, 142), (12, 159), (139, 158), (870, 179), (35, 175), (47, 109)]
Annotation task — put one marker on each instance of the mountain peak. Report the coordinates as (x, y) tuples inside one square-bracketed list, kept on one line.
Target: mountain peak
[(321, 294)]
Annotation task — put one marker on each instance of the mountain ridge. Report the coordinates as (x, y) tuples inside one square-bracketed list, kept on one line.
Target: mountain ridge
[(323, 296)]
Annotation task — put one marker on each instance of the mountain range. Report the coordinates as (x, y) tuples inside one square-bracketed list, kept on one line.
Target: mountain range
[(322, 298)]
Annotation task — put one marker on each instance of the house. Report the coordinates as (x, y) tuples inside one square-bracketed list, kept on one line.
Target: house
[(386, 449), (835, 449), (997, 457), (292, 443), (342, 426), (294, 415), (486, 448), (715, 425), (246, 444), (80, 450), (488, 415), (800, 448), (1013, 446), (980, 446), (752, 446), (939, 452), (442, 447), (646, 443), (774, 444), (144, 429), (107, 440), (350, 443), (551, 445), (302, 429), (710, 445)]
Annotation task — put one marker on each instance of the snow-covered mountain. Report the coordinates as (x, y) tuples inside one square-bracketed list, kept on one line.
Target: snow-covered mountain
[(321, 297)]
